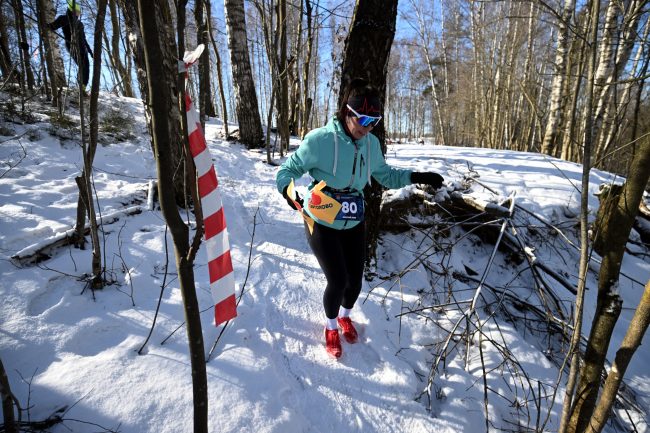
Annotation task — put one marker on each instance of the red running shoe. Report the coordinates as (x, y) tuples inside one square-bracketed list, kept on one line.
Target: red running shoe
[(349, 332), (333, 342)]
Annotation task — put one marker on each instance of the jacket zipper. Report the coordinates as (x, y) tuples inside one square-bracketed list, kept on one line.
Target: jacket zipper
[(354, 166)]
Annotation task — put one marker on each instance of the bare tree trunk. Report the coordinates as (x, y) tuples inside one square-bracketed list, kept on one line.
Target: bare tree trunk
[(222, 94), (284, 77), (123, 72), (201, 15), (294, 63), (372, 32), (307, 101), (631, 342), (559, 76), (248, 115), (478, 100), (5, 58), (84, 204), (570, 149), (606, 113), (23, 45), (134, 38), (112, 67), (574, 348), (615, 230), (519, 112), (89, 154), (176, 118), (269, 119), (162, 95), (613, 120), (49, 44), (7, 402), (423, 31)]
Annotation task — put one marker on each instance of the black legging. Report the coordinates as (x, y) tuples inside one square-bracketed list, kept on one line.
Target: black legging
[(341, 254), (84, 67)]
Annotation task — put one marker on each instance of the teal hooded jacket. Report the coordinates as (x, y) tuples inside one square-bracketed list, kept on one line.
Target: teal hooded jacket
[(329, 154)]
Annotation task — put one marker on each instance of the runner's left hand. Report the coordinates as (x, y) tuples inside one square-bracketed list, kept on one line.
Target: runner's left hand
[(429, 178)]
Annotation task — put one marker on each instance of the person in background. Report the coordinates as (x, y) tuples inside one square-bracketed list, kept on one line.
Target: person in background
[(73, 27), (347, 156)]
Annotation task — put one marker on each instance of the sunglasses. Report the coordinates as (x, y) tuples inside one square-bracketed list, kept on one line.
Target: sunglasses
[(364, 120)]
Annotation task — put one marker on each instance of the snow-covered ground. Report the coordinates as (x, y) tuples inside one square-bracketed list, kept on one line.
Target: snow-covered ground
[(63, 345)]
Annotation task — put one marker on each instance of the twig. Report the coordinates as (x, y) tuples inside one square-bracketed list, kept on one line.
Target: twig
[(162, 290), (24, 155)]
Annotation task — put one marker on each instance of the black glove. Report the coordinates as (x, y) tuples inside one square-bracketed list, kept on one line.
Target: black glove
[(291, 202), (433, 179)]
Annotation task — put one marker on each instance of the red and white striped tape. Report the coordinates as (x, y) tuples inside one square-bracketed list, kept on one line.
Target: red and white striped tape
[(222, 280)]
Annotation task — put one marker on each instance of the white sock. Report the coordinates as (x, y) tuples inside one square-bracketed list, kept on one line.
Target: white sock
[(344, 312), (331, 324)]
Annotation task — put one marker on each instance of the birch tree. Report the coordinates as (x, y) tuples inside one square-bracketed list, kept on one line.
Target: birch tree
[(202, 16), (307, 102), (6, 63), (53, 59), (559, 77), (134, 39), (629, 15), (123, 71), (423, 30), (220, 82)]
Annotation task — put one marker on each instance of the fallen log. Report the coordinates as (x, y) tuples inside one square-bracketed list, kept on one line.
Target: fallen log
[(43, 249)]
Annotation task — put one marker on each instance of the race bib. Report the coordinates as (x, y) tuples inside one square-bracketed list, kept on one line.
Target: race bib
[(352, 207)]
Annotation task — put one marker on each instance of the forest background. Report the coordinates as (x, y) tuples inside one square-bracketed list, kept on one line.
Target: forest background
[(507, 75)]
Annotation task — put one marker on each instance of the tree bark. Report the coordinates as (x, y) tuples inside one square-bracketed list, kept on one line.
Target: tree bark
[(607, 111), (559, 76), (570, 149), (6, 65), (631, 342), (372, 32), (23, 45), (294, 64), (615, 230), (248, 115), (162, 96), (7, 402), (222, 94), (53, 59), (89, 154), (134, 38), (574, 348), (283, 76), (423, 32), (124, 73), (201, 15), (307, 101)]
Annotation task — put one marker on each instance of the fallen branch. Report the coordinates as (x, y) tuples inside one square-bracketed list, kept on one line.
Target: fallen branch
[(41, 250)]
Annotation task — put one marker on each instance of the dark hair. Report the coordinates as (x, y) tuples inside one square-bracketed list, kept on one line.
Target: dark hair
[(359, 90)]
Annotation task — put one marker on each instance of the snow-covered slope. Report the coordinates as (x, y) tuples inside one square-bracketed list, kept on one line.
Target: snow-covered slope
[(63, 345)]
